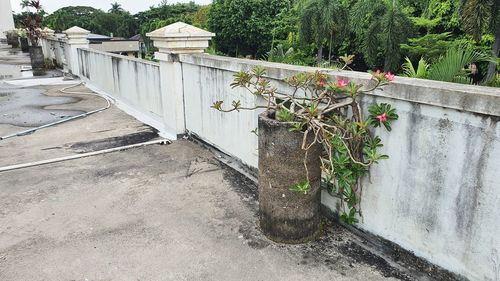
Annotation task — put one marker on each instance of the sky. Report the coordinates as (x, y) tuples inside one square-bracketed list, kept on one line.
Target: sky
[(132, 6)]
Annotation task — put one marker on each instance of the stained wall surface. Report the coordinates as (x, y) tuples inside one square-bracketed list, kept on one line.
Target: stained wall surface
[(439, 193)]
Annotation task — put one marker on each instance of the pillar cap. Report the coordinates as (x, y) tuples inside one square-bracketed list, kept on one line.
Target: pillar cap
[(180, 38), (75, 30), (77, 35), (47, 32)]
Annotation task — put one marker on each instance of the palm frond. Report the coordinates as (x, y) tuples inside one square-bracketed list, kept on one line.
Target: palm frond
[(451, 66), (422, 69), (410, 71)]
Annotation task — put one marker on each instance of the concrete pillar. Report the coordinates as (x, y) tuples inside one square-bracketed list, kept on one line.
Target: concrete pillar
[(76, 38), (6, 18), (171, 41)]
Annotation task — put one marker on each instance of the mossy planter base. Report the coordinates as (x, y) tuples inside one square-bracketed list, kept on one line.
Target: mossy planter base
[(37, 59), (25, 47), (287, 216), (13, 40), (288, 231)]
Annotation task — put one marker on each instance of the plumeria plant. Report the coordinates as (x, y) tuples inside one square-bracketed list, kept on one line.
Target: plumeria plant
[(33, 20), (331, 113)]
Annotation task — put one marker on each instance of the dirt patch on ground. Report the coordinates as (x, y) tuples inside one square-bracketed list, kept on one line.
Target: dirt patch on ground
[(107, 143), (338, 248)]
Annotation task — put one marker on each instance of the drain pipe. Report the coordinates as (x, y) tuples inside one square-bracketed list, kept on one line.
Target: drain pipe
[(82, 155), (64, 90)]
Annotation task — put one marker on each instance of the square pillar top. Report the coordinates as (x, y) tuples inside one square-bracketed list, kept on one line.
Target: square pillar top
[(47, 32), (180, 38), (77, 35)]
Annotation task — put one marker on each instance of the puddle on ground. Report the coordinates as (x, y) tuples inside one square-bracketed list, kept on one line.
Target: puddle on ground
[(25, 107)]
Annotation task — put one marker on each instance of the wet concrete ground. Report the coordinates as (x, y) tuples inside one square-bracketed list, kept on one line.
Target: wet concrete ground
[(15, 64), (12, 63), (29, 107), (49, 105)]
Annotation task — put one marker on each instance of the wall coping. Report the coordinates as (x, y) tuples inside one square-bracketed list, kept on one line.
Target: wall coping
[(55, 39), (120, 56), (476, 99)]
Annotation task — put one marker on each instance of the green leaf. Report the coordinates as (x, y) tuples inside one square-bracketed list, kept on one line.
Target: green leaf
[(303, 187), (283, 115), (217, 105)]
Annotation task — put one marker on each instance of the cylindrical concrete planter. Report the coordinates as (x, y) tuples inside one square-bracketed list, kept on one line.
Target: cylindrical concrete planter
[(25, 47), (287, 216), (13, 40), (37, 59)]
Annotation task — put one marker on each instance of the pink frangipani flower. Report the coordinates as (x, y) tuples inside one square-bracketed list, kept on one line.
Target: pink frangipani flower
[(382, 118), (342, 83), (389, 76)]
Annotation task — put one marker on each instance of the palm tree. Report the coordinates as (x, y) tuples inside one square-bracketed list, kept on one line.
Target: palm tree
[(116, 8), (321, 21), (381, 27), (479, 16)]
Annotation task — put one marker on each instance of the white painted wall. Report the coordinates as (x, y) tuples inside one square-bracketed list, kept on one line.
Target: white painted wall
[(6, 17), (439, 193), (133, 83), (56, 50), (230, 132)]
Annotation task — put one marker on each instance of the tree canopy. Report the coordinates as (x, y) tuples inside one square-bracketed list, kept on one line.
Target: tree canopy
[(244, 27), (323, 21), (381, 34), (121, 24)]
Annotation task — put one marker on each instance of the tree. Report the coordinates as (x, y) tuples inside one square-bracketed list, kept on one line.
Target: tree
[(478, 17), (286, 23), (67, 17), (381, 27), (200, 17), (33, 21), (244, 27), (116, 8), (446, 14), (120, 24), (163, 14), (20, 17), (323, 21), (431, 46)]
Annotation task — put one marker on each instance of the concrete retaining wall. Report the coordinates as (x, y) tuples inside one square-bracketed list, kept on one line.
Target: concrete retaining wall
[(439, 193), (437, 196), (134, 84), (56, 50)]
